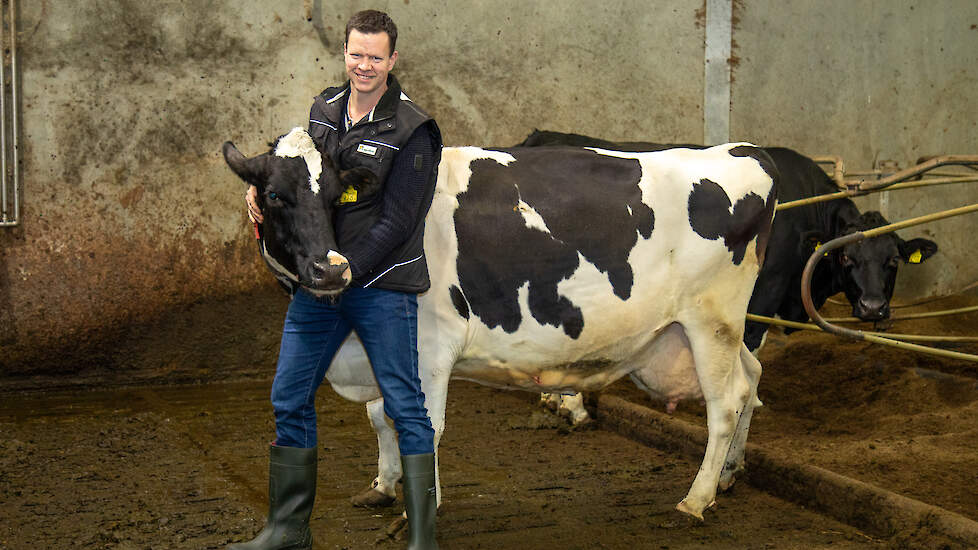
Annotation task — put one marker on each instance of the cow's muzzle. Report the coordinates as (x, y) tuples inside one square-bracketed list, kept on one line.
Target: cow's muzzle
[(871, 309), (329, 274)]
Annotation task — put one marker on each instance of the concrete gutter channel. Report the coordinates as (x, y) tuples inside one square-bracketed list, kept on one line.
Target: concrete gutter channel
[(876, 511)]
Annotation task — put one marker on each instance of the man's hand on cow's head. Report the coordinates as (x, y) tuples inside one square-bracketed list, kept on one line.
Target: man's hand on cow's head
[(251, 200)]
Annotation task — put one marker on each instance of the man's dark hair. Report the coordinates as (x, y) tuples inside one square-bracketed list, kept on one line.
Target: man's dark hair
[(371, 22)]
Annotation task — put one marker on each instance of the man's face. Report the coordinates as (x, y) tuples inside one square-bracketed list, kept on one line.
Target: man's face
[(368, 60)]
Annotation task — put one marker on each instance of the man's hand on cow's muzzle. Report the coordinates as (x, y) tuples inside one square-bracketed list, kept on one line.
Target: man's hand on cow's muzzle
[(251, 200)]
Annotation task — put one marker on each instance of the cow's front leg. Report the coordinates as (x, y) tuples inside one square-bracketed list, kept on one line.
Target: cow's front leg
[(382, 491)]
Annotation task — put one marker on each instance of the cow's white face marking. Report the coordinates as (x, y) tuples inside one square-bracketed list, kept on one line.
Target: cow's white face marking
[(335, 258), (297, 143)]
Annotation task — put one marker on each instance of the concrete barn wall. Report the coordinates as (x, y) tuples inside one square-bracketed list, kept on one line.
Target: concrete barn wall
[(128, 209), (871, 81)]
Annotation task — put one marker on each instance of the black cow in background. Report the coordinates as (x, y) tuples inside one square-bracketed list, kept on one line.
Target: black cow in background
[(865, 271)]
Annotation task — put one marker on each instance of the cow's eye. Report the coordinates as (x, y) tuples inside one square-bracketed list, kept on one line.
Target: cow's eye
[(845, 259), (272, 196), (893, 262)]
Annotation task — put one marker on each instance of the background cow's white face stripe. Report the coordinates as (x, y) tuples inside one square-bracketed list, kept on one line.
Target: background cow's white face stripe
[(297, 143)]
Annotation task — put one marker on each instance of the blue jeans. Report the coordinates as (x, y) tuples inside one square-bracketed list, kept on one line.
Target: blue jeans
[(386, 322)]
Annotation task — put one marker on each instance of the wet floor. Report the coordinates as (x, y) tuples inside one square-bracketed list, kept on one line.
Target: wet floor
[(186, 467)]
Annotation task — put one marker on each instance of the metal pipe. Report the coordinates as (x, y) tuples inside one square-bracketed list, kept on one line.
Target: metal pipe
[(924, 315), (876, 231), (15, 156), (3, 129), (963, 160), (895, 336), (7, 221), (838, 168), (858, 192), (806, 283)]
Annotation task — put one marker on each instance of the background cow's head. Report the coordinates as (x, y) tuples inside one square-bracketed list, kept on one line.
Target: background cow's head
[(866, 270), (297, 190)]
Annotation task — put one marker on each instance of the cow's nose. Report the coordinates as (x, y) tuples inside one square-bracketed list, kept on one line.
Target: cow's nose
[(871, 309), (331, 271)]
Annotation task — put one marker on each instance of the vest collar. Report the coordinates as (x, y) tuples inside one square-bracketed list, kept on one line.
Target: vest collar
[(336, 99)]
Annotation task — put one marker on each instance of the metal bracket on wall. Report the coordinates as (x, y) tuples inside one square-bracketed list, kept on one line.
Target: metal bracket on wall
[(9, 146), (716, 77)]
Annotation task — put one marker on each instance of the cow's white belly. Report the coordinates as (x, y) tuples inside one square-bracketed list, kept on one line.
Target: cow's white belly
[(667, 351)]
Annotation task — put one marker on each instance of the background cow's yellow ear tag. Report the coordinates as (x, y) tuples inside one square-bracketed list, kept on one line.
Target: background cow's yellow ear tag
[(350, 195), (916, 257), (818, 244)]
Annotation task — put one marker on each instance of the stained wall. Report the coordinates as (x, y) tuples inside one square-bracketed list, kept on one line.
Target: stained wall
[(128, 209)]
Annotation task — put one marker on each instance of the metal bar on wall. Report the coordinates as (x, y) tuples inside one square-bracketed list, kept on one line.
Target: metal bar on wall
[(716, 76), (9, 193)]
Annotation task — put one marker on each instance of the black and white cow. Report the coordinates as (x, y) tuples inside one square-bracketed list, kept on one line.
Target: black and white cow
[(865, 271), (563, 269)]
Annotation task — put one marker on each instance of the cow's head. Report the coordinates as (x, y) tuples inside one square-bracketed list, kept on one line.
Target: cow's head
[(297, 190), (866, 270)]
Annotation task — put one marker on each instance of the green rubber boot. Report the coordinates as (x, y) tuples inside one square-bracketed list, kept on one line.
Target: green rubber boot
[(419, 500), (291, 492)]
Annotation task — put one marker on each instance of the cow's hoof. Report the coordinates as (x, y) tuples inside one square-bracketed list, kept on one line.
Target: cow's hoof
[(550, 400), (582, 424), (372, 498), (729, 477), (725, 484), (576, 418), (690, 511), (397, 526)]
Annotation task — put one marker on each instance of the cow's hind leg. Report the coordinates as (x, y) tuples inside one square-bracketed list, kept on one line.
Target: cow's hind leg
[(734, 464), (382, 490), (716, 345)]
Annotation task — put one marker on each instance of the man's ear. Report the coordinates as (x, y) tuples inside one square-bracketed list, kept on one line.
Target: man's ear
[(361, 179), (916, 251), (252, 170)]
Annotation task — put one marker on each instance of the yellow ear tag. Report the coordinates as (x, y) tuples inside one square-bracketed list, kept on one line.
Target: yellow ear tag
[(350, 195), (916, 257), (818, 245)]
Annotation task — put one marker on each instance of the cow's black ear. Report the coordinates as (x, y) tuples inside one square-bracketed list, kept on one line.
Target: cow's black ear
[(810, 240), (362, 179), (252, 170), (916, 251)]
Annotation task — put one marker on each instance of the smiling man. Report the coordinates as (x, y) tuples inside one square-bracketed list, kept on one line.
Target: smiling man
[(366, 123)]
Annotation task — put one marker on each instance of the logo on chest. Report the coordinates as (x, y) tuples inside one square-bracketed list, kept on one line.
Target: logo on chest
[(368, 150)]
